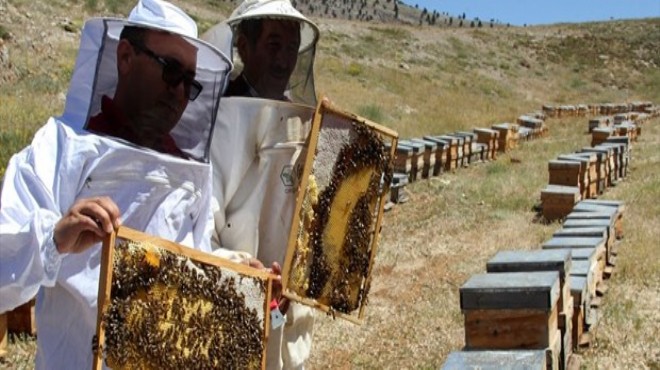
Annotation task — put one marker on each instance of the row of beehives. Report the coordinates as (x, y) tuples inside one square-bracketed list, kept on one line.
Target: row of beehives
[(586, 173), (581, 110), (534, 309), (431, 155)]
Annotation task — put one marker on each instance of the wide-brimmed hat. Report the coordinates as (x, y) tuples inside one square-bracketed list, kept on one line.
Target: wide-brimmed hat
[(95, 72), (278, 9)]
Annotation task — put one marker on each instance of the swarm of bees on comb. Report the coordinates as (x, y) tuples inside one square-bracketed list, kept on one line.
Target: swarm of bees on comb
[(168, 311), (339, 219)]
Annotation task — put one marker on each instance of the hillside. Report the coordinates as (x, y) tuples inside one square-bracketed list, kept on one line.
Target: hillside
[(423, 80)]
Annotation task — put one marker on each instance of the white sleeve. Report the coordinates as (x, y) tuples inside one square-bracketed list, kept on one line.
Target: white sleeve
[(28, 213)]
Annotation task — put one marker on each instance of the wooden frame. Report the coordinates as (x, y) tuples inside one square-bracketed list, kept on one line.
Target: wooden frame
[(342, 120), (197, 256)]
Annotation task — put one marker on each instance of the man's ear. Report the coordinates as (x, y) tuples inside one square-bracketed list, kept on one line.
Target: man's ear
[(125, 55)]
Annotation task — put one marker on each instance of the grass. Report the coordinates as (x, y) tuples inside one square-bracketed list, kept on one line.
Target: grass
[(457, 79)]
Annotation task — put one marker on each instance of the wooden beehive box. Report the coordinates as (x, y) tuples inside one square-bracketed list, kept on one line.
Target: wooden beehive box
[(604, 165), (581, 304), (600, 134), (511, 310), (625, 148), (614, 212), (339, 208), (488, 137), (508, 138), (440, 154), (417, 158), (544, 260), (163, 305), (430, 156), (617, 161), (537, 260), (403, 159), (452, 151), (468, 139), (558, 201), (593, 171), (586, 173), (565, 173), (513, 360), (577, 242), (593, 219)]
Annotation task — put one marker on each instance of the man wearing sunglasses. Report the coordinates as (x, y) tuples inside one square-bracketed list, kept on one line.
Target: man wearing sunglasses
[(156, 73), (152, 89)]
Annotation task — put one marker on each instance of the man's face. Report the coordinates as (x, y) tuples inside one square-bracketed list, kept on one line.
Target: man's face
[(155, 106), (270, 62)]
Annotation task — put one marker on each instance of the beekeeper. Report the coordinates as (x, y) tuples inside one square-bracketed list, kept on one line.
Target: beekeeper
[(131, 147), (263, 121)]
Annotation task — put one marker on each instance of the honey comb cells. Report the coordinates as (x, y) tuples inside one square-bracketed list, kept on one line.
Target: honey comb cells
[(168, 311), (337, 224)]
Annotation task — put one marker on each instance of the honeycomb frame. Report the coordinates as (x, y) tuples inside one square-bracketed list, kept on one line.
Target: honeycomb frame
[(342, 190), (200, 283)]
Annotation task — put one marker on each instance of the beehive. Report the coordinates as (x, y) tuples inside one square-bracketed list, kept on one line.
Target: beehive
[(163, 305), (339, 207)]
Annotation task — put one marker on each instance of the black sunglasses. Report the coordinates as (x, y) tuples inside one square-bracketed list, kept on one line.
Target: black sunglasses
[(173, 73)]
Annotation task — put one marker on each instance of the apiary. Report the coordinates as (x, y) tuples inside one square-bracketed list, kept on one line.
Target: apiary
[(163, 305), (339, 207)]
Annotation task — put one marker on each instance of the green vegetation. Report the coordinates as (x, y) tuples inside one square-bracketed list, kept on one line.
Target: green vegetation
[(4, 33)]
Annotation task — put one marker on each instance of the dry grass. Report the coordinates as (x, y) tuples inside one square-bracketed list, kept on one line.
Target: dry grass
[(420, 81)]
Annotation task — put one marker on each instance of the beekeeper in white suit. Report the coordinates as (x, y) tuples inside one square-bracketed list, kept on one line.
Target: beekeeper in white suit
[(263, 121), (132, 147)]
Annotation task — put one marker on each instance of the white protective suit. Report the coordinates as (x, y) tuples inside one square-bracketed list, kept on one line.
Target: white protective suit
[(255, 149), (157, 193)]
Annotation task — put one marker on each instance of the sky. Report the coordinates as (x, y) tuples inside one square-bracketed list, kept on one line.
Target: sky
[(530, 12)]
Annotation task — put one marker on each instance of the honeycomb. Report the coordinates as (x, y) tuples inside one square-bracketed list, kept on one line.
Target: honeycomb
[(168, 311), (337, 224)]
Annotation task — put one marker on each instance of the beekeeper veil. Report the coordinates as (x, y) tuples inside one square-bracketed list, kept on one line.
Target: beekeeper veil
[(301, 83), (95, 74)]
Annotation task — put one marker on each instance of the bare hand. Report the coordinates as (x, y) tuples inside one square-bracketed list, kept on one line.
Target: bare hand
[(282, 301), (86, 223)]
